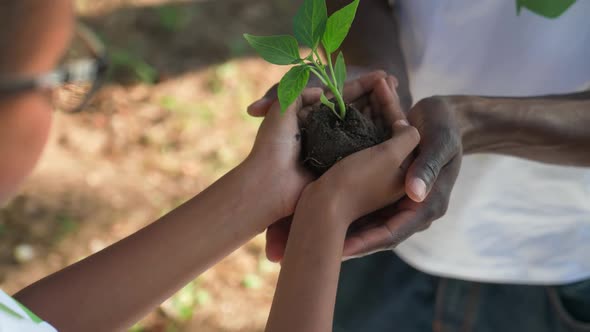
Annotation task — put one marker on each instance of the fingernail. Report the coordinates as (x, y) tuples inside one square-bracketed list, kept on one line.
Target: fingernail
[(393, 81), (418, 187), (402, 122), (260, 102)]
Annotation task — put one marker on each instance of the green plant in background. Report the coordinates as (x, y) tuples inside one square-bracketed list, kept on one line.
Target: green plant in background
[(182, 305), (312, 27), (251, 281), (65, 226), (124, 59), (173, 19)]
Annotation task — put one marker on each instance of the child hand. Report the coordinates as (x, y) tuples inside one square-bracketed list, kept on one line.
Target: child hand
[(364, 181), (277, 149), (275, 155), (374, 94)]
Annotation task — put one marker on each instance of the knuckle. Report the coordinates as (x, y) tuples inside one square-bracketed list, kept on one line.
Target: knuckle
[(396, 239), (444, 207), (413, 135), (424, 226), (438, 208), (442, 137), (430, 104), (430, 170), (394, 80), (431, 213)]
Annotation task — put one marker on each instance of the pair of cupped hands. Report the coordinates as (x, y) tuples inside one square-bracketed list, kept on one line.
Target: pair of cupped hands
[(371, 190)]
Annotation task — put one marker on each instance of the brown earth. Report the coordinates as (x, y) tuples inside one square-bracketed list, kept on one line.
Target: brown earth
[(326, 138)]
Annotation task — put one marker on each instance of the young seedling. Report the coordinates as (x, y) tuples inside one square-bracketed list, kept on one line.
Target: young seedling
[(312, 28), (334, 130)]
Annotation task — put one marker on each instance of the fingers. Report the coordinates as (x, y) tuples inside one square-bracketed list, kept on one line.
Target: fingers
[(378, 179), (308, 97), (385, 98), (352, 91), (364, 84), (276, 239), (392, 82), (260, 107), (311, 96), (383, 236), (404, 140), (433, 155), (396, 223)]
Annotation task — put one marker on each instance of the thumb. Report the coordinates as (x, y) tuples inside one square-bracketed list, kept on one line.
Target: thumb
[(276, 239), (261, 106), (425, 169)]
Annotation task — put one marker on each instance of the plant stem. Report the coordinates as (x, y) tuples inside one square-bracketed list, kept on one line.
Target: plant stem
[(331, 69), (322, 79), (325, 79), (334, 86), (320, 71), (337, 95)]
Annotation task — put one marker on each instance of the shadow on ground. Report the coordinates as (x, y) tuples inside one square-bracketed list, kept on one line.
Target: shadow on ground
[(153, 43)]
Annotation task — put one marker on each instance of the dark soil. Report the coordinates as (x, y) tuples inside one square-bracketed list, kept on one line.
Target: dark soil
[(327, 139)]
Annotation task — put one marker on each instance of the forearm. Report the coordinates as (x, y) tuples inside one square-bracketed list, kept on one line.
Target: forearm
[(550, 129), (306, 291), (116, 287), (374, 43)]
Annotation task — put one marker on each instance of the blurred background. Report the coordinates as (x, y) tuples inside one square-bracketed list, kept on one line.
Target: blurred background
[(170, 121)]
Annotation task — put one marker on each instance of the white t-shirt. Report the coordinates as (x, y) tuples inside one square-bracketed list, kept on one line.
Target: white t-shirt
[(509, 220), (14, 317)]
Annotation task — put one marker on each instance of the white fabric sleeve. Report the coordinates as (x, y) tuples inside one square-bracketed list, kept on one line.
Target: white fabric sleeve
[(14, 317)]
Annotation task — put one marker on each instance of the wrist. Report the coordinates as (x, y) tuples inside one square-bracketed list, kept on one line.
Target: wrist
[(260, 190), (318, 204), (468, 112)]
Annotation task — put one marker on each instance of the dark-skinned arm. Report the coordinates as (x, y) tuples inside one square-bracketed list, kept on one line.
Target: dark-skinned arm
[(552, 129), (549, 129)]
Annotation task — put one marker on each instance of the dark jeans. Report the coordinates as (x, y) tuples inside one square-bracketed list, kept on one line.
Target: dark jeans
[(382, 293)]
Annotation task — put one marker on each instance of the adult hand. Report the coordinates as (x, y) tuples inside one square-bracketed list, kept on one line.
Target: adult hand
[(429, 181)]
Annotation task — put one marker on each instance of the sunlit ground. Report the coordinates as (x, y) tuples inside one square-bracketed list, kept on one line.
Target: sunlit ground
[(170, 121)]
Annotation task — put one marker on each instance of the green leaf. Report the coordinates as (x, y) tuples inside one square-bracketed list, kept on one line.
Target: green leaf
[(309, 23), (291, 85), (327, 102), (546, 8), (340, 72), (279, 50), (338, 26)]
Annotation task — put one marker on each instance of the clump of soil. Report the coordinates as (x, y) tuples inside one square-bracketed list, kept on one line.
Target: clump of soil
[(326, 139)]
